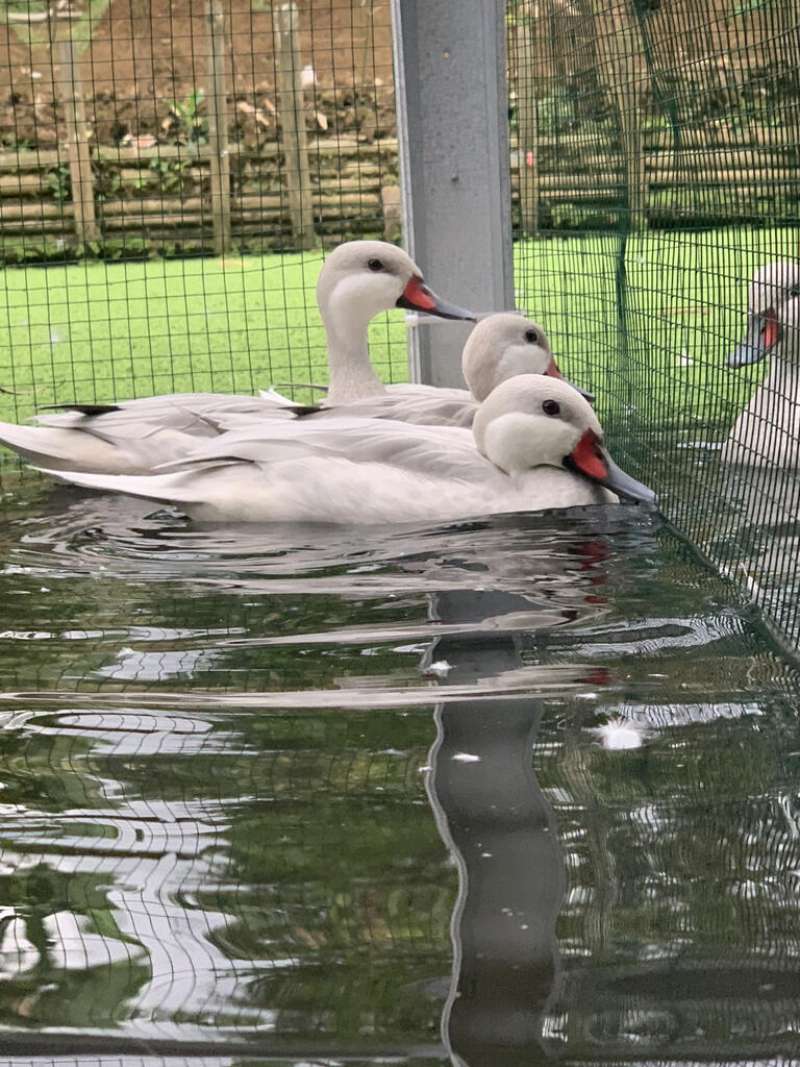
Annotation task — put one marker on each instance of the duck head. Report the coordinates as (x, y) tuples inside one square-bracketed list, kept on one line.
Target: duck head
[(360, 279), (535, 420), (503, 346), (773, 288)]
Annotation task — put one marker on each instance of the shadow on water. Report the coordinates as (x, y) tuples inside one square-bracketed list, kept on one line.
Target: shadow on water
[(491, 794)]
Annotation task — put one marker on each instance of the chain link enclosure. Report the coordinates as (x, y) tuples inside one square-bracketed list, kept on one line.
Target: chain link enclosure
[(655, 162), (182, 853), (170, 175)]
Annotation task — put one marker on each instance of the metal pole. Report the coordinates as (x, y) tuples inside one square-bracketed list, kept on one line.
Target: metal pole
[(452, 111)]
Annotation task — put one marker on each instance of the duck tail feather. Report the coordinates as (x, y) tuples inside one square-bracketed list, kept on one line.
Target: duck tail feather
[(164, 488), (33, 443)]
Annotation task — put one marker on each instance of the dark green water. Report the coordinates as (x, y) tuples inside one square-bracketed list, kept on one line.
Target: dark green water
[(492, 794)]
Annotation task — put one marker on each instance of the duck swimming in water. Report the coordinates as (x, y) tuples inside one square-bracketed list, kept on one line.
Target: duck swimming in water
[(358, 281), (535, 444), (767, 432)]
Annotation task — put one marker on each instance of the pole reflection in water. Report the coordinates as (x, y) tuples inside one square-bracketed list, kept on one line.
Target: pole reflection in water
[(213, 820), (493, 816), (499, 828)]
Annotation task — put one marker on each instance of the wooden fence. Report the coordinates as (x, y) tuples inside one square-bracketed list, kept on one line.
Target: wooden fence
[(289, 194), (717, 176), (163, 198)]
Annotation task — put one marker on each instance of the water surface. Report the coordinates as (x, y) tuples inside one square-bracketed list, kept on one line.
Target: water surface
[(491, 793)]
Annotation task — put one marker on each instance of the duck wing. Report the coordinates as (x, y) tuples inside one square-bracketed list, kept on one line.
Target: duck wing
[(134, 436), (416, 404), (434, 451), (352, 471)]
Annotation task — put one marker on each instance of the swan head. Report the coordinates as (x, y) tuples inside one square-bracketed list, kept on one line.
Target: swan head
[(772, 312), (533, 420), (502, 346), (360, 279)]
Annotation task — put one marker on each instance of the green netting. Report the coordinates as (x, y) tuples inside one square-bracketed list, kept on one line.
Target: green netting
[(655, 152), (170, 176)]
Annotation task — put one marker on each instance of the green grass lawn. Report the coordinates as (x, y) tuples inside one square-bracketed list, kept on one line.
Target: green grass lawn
[(99, 331), (104, 331), (685, 302)]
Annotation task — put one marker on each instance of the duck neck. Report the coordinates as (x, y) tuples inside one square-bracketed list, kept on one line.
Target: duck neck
[(352, 376), (783, 380)]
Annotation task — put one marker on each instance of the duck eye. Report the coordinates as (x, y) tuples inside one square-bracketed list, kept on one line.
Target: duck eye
[(532, 336), (375, 265), (551, 407)]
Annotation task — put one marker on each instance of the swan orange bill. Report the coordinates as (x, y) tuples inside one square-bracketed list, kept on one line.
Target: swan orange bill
[(771, 330), (418, 297), (763, 334), (588, 458)]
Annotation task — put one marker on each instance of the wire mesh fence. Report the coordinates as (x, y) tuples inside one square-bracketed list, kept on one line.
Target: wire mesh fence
[(186, 163), (173, 864), (659, 142), (179, 169)]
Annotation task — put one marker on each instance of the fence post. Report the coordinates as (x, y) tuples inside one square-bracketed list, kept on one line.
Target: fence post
[(78, 154), (452, 110), (218, 125), (288, 71), (361, 16), (527, 123), (623, 67)]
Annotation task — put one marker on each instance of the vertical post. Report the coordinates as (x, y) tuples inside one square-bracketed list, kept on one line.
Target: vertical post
[(361, 15), (527, 123), (70, 91), (142, 30), (218, 125), (288, 71), (623, 69), (452, 105)]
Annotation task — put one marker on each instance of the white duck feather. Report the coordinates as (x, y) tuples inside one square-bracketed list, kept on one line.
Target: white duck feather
[(359, 280), (767, 432), (350, 470)]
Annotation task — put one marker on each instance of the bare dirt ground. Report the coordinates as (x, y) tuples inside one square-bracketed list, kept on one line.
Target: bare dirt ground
[(147, 54)]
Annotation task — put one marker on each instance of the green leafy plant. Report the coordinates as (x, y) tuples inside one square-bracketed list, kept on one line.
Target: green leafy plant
[(58, 183), (557, 112), (192, 125), (168, 174)]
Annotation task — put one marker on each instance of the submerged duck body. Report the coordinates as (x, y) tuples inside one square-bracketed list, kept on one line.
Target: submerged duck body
[(767, 432), (535, 444)]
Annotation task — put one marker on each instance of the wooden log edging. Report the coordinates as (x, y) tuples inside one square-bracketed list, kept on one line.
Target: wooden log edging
[(348, 192)]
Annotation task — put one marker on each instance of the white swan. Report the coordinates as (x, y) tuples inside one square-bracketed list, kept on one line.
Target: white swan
[(767, 432), (539, 445), (359, 280)]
